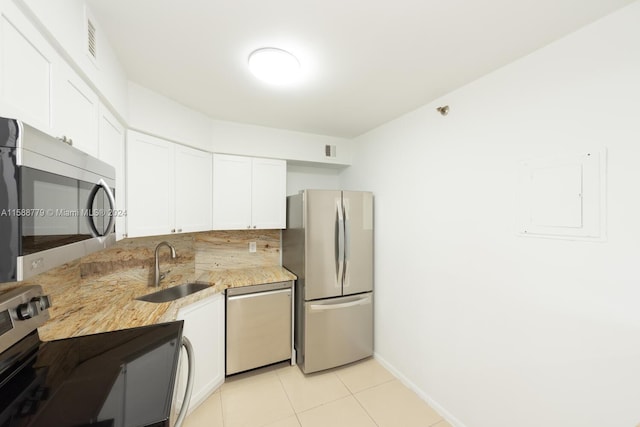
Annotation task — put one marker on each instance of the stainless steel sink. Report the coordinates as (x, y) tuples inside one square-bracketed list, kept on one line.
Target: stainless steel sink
[(173, 293)]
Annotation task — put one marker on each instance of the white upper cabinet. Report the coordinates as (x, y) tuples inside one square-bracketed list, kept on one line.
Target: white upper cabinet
[(39, 88), (231, 192), (111, 150), (269, 193), (150, 185), (248, 192), (75, 111), (193, 183), (26, 69), (168, 187)]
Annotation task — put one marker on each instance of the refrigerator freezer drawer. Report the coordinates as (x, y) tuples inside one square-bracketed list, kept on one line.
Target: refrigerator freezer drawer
[(337, 331), (258, 329)]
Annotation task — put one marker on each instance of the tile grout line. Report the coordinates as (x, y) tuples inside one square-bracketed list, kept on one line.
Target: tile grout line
[(288, 398), (356, 399), (321, 404), (396, 379), (221, 405)]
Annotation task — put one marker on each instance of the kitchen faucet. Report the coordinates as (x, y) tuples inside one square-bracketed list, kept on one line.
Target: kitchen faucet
[(157, 275)]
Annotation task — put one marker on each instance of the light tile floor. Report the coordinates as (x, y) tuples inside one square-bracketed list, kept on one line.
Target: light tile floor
[(362, 394)]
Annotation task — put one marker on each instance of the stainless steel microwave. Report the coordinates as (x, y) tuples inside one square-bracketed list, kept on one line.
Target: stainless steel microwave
[(56, 202)]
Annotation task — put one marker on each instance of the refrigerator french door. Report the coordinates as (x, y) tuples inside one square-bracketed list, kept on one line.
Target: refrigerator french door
[(328, 244)]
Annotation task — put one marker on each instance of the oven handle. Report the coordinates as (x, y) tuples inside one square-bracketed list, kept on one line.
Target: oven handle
[(112, 204), (190, 376)]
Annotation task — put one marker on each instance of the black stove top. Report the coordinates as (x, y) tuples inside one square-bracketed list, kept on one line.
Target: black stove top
[(120, 379)]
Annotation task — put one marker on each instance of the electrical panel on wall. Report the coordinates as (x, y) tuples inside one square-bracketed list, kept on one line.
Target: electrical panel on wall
[(564, 197)]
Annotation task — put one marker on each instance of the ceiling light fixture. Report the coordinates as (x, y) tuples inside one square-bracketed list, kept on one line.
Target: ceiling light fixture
[(274, 66)]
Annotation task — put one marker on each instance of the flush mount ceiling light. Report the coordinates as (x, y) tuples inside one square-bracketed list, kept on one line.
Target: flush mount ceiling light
[(274, 66)]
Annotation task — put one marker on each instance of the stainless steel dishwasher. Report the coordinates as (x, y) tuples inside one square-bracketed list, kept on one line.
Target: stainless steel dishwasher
[(258, 326)]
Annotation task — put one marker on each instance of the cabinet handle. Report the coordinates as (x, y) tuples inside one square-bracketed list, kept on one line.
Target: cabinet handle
[(254, 226), (248, 226), (173, 230), (179, 230)]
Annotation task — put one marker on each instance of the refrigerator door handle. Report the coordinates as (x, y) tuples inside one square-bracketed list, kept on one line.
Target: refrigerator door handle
[(340, 242), (347, 242), (323, 307)]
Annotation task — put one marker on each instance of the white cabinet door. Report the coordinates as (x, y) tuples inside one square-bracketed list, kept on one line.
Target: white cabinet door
[(75, 110), (111, 138), (150, 182), (231, 192), (193, 189), (248, 192), (38, 87), (168, 187), (26, 69), (204, 327), (268, 193)]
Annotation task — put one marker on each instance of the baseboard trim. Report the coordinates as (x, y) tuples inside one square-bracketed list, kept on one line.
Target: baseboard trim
[(413, 387)]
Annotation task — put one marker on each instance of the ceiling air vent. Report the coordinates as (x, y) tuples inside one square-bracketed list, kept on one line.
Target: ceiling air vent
[(91, 39)]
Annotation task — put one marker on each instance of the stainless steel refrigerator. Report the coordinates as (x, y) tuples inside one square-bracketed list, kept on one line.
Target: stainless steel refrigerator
[(328, 244)]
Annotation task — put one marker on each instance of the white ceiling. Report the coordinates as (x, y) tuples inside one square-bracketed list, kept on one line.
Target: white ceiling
[(367, 61)]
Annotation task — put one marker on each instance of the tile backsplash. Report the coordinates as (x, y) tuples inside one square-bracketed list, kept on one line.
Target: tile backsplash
[(132, 260), (230, 249)]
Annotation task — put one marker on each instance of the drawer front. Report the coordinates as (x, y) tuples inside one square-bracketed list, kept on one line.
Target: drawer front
[(337, 331)]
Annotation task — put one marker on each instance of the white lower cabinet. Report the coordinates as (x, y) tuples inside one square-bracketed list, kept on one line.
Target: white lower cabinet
[(204, 327)]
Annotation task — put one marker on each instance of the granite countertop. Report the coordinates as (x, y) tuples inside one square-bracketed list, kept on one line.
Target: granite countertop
[(107, 304)]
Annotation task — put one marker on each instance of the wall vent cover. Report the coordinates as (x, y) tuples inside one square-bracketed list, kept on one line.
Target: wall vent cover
[(330, 150), (91, 39)]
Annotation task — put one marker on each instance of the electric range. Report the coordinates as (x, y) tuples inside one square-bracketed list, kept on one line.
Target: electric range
[(116, 379)]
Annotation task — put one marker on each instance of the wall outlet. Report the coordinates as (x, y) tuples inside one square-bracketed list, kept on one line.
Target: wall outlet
[(252, 247)]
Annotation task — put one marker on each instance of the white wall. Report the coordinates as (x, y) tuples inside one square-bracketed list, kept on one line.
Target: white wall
[(494, 329), (251, 140), (301, 177), (158, 115)]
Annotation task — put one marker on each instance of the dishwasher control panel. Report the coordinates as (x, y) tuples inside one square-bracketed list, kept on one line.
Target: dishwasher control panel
[(263, 287)]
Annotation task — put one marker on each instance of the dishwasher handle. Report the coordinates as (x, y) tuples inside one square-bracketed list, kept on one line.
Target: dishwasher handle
[(190, 377), (258, 294)]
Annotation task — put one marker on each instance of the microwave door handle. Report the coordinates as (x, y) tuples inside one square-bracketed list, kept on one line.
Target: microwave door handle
[(112, 207), (112, 203)]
